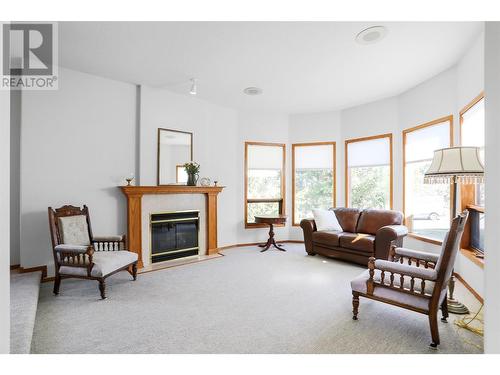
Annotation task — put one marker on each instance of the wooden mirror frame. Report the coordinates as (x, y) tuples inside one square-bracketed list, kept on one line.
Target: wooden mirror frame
[(158, 152)]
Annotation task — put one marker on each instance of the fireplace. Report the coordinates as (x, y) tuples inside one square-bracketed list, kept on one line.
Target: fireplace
[(174, 235)]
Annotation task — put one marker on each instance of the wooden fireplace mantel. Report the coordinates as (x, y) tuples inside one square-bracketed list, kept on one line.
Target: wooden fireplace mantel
[(134, 212)]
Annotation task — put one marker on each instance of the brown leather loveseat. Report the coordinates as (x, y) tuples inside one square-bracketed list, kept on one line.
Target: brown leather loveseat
[(365, 234)]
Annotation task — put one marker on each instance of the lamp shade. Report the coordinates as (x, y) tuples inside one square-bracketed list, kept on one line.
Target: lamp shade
[(460, 163)]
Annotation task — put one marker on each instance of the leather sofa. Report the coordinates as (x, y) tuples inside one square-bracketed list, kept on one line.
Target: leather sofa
[(365, 234)]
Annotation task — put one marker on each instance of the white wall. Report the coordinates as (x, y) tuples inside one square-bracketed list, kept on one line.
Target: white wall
[(214, 129), (15, 175), (492, 157), (470, 73), (77, 145), (4, 221)]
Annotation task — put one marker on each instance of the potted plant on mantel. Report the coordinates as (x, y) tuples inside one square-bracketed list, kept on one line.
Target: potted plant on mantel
[(192, 169)]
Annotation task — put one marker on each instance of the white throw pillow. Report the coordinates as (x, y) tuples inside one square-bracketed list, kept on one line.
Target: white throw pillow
[(326, 220)]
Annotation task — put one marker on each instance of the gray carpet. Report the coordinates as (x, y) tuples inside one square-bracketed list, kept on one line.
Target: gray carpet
[(245, 302), (24, 290)]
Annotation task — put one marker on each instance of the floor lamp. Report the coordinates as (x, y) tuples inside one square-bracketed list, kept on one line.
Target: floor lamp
[(455, 165)]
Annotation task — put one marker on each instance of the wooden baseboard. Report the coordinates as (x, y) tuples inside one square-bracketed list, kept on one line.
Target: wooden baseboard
[(14, 267), (471, 289), (35, 269)]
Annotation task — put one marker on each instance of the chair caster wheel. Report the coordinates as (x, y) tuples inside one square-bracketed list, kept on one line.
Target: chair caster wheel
[(444, 320), (433, 346), (354, 318)]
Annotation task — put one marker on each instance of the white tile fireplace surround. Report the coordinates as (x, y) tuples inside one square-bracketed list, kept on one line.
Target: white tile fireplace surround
[(172, 202), (142, 201)]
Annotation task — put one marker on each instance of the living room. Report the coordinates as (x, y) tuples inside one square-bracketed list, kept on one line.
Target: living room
[(288, 170)]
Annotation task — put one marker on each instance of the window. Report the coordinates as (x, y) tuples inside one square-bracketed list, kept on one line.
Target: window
[(264, 180), (368, 168), (472, 134), (426, 206), (472, 128), (180, 174), (313, 179)]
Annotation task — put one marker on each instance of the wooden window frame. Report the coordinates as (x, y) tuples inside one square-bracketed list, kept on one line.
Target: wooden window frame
[(448, 119), (391, 164), (282, 205), (468, 192), (334, 188)]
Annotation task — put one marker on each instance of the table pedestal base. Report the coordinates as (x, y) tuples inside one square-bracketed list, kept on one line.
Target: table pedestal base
[(270, 241)]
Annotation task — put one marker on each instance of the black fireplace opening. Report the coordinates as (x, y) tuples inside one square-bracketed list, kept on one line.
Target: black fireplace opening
[(174, 235)]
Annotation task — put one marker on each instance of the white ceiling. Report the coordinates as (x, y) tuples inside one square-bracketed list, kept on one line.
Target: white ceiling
[(301, 66)]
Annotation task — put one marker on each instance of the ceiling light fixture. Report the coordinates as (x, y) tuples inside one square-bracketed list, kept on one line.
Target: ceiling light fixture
[(252, 91), (194, 87), (371, 35)]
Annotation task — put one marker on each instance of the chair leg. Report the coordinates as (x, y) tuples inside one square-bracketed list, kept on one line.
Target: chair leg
[(444, 309), (57, 284), (102, 288), (434, 329), (134, 271), (355, 305)]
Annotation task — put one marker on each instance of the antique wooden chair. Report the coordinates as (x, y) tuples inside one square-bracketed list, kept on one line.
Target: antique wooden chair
[(412, 279), (78, 254)]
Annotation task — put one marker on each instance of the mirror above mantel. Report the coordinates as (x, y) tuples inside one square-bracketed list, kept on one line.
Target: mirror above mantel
[(175, 148)]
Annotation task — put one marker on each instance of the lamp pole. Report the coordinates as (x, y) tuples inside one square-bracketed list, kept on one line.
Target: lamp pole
[(454, 306)]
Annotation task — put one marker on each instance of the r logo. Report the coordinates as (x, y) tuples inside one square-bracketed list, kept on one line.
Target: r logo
[(28, 49)]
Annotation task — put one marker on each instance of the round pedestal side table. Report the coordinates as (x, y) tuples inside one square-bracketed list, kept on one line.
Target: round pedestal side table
[(271, 220)]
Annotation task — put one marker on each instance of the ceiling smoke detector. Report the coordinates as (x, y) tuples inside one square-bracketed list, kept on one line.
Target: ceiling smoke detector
[(252, 91), (371, 35)]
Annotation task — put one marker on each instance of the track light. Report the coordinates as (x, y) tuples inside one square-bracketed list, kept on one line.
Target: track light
[(194, 88)]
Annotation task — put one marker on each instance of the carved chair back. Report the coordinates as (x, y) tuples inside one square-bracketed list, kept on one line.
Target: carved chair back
[(449, 251), (65, 211)]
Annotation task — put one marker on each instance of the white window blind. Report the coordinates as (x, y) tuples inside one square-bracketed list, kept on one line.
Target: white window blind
[(473, 126), (367, 153), (314, 157), (265, 157), (421, 143)]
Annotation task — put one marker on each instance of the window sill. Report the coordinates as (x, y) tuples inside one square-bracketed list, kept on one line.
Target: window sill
[(468, 253), (425, 239), (471, 255)]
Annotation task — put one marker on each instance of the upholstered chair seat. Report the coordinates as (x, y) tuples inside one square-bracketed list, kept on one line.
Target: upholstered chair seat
[(105, 262), (410, 300)]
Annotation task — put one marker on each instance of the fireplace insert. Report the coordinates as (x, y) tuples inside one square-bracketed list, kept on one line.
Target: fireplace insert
[(174, 235)]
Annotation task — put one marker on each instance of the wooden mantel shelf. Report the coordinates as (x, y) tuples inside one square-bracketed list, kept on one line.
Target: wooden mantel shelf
[(170, 189), (134, 212)]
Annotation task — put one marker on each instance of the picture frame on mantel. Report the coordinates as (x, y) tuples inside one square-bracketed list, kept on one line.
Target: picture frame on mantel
[(173, 142)]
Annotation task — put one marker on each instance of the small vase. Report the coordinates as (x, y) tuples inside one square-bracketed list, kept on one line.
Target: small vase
[(192, 179)]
